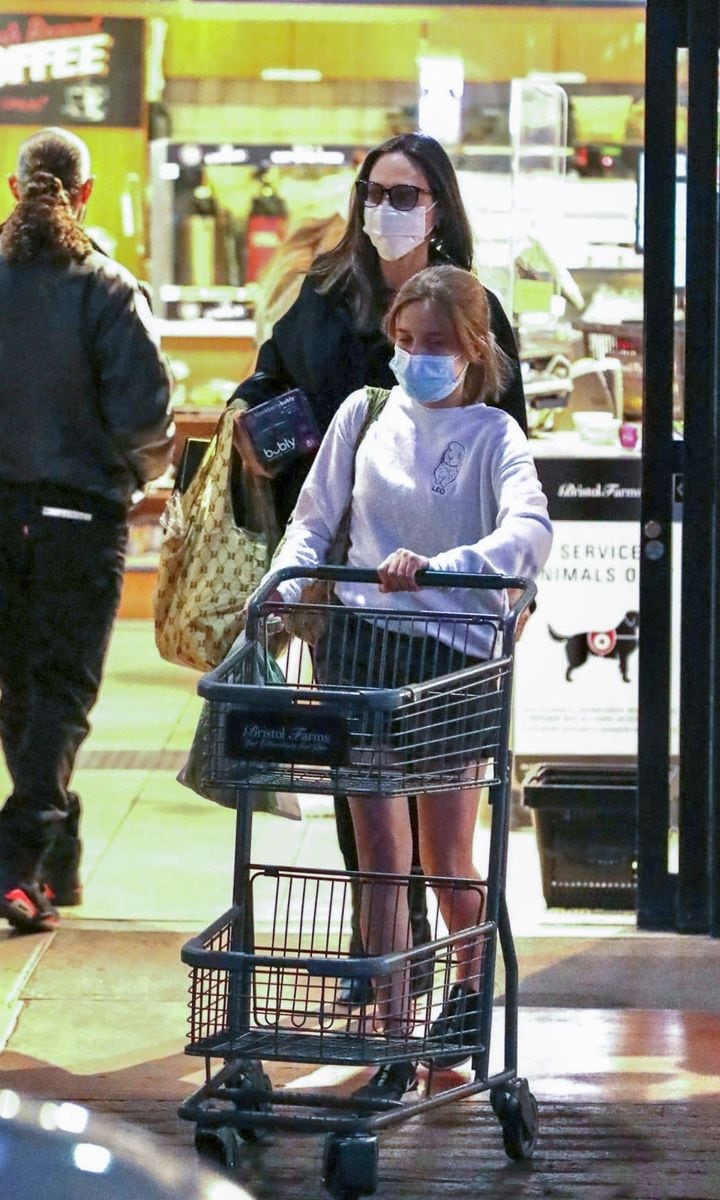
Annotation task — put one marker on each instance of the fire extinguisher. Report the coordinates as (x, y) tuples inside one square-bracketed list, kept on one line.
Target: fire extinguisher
[(266, 226)]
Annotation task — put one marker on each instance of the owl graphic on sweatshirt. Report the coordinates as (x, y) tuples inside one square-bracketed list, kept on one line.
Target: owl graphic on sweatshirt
[(446, 472)]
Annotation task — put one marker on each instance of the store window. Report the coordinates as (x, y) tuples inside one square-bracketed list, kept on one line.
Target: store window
[(542, 111)]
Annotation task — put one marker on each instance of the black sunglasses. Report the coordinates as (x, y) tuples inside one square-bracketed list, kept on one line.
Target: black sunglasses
[(402, 196)]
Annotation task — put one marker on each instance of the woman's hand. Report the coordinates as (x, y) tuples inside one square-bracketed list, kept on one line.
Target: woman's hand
[(397, 572), (273, 598), (513, 595)]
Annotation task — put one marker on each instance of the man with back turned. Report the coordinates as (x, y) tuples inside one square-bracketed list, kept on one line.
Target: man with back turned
[(84, 403)]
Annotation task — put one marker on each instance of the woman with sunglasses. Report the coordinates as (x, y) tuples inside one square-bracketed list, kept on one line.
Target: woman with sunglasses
[(406, 213)]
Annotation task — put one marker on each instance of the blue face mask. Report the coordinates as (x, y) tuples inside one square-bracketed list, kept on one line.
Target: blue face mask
[(427, 378)]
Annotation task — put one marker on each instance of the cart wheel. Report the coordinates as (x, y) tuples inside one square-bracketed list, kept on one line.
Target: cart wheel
[(516, 1109), (255, 1079), (350, 1166), (222, 1147)]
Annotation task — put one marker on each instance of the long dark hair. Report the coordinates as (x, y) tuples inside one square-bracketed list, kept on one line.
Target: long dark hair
[(353, 267), (52, 165)]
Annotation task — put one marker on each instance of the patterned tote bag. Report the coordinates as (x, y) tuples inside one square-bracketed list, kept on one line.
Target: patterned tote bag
[(209, 564)]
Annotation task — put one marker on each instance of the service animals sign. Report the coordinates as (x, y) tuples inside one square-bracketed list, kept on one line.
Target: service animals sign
[(71, 70), (577, 661)]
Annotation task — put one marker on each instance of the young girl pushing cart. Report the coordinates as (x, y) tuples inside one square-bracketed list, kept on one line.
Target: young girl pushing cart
[(439, 479)]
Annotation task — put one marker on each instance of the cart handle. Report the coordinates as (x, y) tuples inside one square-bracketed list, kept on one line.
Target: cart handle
[(447, 579)]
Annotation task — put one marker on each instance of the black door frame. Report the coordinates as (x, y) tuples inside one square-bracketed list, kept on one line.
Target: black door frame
[(688, 901)]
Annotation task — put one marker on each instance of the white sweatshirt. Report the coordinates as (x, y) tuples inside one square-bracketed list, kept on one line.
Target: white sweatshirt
[(456, 485)]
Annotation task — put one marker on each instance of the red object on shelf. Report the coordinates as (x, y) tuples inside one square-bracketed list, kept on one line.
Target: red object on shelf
[(265, 233)]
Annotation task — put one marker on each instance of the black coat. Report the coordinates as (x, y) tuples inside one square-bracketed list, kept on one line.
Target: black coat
[(316, 347), (84, 387)]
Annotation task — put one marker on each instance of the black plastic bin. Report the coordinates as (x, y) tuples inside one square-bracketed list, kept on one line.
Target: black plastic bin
[(585, 822)]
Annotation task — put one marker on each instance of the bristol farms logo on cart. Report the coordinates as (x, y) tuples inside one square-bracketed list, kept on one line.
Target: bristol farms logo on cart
[(320, 738), (70, 70)]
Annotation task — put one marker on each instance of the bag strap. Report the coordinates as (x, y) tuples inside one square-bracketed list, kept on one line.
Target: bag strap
[(217, 466), (377, 399), (217, 444)]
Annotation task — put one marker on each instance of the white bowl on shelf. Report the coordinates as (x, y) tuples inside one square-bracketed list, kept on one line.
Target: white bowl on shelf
[(598, 427)]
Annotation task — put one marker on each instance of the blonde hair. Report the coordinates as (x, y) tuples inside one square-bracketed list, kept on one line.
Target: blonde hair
[(461, 297), (282, 279)]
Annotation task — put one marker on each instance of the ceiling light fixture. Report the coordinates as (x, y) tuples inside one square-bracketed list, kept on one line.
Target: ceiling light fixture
[(290, 75)]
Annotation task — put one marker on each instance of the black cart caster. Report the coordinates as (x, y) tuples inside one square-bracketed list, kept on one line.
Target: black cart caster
[(222, 1147), (517, 1111), (256, 1079), (350, 1166)]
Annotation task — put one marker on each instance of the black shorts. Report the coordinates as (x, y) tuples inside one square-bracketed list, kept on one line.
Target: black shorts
[(448, 725)]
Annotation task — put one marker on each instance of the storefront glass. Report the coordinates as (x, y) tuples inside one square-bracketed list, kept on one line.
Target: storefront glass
[(544, 113)]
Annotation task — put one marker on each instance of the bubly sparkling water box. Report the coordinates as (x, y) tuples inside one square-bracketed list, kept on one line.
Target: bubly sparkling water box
[(281, 430)]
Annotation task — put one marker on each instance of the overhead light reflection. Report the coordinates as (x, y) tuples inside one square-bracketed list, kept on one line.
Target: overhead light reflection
[(72, 1118), (92, 1158), (48, 1116), (221, 1190), (9, 1104)]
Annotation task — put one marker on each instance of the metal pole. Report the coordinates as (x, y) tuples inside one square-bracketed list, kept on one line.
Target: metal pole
[(699, 493), (666, 30)]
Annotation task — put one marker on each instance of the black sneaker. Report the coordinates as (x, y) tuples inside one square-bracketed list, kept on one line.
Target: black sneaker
[(28, 909), (354, 991), (459, 1021), (61, 864), (390, 1082), (61, 870)]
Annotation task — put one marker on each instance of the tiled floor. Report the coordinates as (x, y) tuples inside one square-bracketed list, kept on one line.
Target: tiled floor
[(156, 853), (97, 1012)]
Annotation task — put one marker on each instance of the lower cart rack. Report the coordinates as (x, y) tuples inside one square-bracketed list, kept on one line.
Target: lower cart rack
[(278, 1002)]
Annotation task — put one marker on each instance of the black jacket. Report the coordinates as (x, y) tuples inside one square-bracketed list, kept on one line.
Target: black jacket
[(84, 388), (316, 347)]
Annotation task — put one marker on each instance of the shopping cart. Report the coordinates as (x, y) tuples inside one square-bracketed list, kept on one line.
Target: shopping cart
[(265, 976)]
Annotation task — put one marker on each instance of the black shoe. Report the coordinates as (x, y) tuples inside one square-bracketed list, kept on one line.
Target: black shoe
[(27, 907), (61, 864), (422, 975), (354, 992), (391, 1082), (459, 1022), (61, 870)]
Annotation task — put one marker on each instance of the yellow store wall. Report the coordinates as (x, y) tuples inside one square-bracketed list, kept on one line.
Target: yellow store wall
[(381, 41), (497, 44)]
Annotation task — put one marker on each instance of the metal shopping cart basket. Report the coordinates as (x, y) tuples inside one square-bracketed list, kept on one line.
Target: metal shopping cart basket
[(419, 715)]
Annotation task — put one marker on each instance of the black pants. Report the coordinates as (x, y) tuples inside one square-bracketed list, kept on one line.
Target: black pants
[(60, 583)]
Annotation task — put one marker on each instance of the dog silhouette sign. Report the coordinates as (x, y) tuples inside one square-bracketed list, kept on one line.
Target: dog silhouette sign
[(618, 643)]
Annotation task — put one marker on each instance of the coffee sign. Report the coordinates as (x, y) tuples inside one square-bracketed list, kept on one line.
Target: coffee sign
[(71, 70)]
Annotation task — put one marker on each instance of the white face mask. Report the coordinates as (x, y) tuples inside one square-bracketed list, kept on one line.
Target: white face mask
[(394, 233)]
